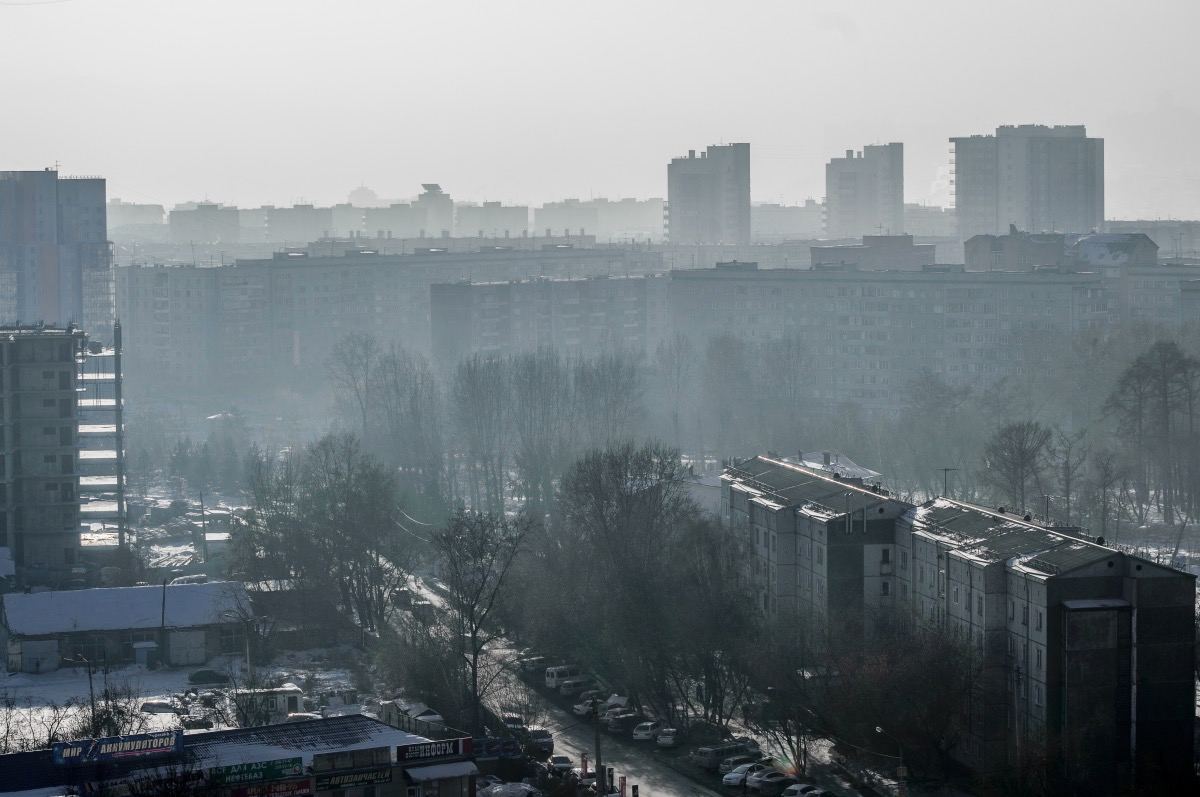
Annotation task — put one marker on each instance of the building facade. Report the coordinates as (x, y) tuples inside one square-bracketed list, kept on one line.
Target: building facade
[(1039, 178), (39, 464), (869, 332), (864, 192), (576, 316), (1084, 655), (877, 253), (708, 197), (56, 263), (267, 322)]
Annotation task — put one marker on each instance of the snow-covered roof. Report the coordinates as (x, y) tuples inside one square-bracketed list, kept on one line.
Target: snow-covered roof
[(295, 739), (117, 608)]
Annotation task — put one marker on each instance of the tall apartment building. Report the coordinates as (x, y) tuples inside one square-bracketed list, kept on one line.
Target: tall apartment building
[(576, 316), (708, 197), (864, 192), (1036, 177), (39, 468), (870, 331), (55, 259)]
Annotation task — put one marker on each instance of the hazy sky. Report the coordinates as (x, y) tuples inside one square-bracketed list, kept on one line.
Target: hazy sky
[(252, 102)]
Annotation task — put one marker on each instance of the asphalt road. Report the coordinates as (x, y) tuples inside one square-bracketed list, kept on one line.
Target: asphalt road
[(575, 736)]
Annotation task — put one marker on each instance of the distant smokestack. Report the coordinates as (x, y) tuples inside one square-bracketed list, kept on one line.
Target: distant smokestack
[(827, 458)]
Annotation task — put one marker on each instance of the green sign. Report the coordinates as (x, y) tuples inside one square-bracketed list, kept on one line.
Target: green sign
[(348, 780), (256, 771)]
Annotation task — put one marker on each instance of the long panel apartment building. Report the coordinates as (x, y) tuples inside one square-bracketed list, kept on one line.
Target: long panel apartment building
[(1082, 655), (269, 321), (576, 316), (869, 332)]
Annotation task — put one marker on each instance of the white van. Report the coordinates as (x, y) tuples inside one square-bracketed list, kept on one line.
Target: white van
[(573, 686), (556, 675)]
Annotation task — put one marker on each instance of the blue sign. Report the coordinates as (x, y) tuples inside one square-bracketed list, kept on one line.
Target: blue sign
[(118, 748)]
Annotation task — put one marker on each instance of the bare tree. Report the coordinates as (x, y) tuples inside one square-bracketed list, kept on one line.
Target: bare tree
[(478, 393), (1015, 458), (474, 553), (1070, 455), (352, 366)]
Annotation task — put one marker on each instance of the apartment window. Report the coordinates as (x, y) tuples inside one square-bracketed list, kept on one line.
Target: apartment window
[(1024, 615), (1012, 609), (1037, 655), (47, 374), (903, 559), (47, 402), (921, 573), (1012, 646), (955, 594), (1039, 620), (1037, 694), (885, 588), (979, 605), (886, 556), (48, 430), (903, 590), (820, 555)]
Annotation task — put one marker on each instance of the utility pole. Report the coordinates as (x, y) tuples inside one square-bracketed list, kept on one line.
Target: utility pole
[(599, 761), (946, 480)]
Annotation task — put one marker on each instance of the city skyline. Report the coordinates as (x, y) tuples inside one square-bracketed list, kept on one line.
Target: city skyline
[(193, 108)]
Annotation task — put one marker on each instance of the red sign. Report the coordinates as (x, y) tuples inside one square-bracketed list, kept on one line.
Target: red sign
[(280, 788)]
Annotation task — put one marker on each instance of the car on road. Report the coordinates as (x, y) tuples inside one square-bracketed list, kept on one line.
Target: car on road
[(585, 706), (573, 686), (801, 790), (613, 711), (710, 756), (738, 775), (561, 764), (667, 737), (646, 731)]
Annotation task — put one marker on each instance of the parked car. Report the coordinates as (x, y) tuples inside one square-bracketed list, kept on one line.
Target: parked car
[(755, 779), (620, 723), (737, 775), (667, 737), (646, 731), (573, 686), (541, 740), (613, 711), (590, 694), (531, 664), (735, 761), (157, 707), (801, 790), (585, 706), (774, 786), (711, 756), (563, 672), (512, 720), (562, 764)]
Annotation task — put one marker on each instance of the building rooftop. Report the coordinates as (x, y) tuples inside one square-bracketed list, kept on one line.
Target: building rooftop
[(783, 483), (294, 739), (119, 608)]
